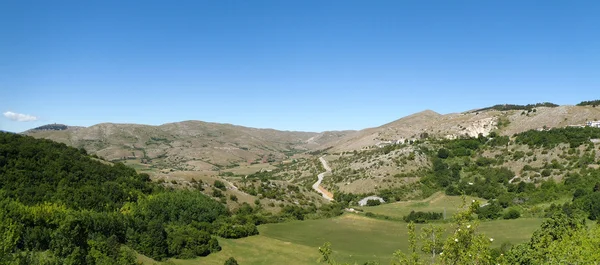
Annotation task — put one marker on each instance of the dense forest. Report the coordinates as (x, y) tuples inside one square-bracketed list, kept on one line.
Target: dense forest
[(60, 206)]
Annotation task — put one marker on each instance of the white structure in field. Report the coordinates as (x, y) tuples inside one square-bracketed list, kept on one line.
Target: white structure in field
[(593, 124), (364, 201)]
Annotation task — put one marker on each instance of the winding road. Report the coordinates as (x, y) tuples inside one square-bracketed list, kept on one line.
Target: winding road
[(317, 186)]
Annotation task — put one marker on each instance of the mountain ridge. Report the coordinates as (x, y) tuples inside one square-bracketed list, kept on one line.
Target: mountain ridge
[(200, 145)]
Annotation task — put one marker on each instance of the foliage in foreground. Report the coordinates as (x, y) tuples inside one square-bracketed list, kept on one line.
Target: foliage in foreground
[(60, 206), (561, 239)]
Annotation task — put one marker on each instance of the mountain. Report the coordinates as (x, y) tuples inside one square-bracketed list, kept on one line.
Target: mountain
[(188, 145), (471, 123), (205, 146)]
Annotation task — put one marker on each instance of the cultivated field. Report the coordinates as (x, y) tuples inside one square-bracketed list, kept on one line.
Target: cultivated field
[(438, 202), (258, 250), (358, 238), (354, 238)]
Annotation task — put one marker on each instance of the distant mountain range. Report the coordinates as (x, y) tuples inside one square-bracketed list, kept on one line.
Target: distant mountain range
[(188, 145), (197, 145)]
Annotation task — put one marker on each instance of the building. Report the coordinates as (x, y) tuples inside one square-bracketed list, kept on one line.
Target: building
[(593, 124), (364, 201)]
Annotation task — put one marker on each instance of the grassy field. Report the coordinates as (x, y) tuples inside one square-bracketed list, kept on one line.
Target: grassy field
[(259, 250), (357, 238), (353, 238), (436, 203)]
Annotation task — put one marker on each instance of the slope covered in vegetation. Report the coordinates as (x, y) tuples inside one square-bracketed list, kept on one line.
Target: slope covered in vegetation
[(60, 206)]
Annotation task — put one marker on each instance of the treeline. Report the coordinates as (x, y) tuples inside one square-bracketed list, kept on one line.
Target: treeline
[(51, 127), (60, 206), (422, 217), (574, 136), (505, 107), (592, 103)]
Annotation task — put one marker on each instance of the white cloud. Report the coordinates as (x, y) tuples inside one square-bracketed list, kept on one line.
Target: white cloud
[(19, 117)]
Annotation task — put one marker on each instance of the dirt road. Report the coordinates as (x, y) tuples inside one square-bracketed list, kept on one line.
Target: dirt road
[(317, 186)]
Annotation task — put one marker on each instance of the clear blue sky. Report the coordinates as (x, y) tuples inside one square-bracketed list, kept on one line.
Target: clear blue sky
[(290, 65)]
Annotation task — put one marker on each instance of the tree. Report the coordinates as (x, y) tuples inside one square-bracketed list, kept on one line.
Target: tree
[(512, 214), (220, 185), (431, 237), (491, 211), (464, 245), (552, 242), (231, 261), (413, 258), (9, 236), (443, 153)]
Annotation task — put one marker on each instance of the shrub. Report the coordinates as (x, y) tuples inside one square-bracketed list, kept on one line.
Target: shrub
[(443, 153), (512, 214), (231, 261), (491, 211), (373, 202), (220, 185), (422, 217), (546, 172), (217, 193)]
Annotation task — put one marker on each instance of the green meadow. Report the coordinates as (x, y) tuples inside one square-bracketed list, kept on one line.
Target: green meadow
[(354, 237), (435, 203)]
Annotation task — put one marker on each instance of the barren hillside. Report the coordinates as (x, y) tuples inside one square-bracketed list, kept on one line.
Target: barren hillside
[(430, 123), (188, 145)]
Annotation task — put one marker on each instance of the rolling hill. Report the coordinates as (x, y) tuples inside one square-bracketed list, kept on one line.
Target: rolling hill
[(189, 145), (212, 147), (470, 123)]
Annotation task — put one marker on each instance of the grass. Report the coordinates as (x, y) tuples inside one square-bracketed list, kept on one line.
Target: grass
[(436, 203), (357, 238), (258, 250), (354, 237)]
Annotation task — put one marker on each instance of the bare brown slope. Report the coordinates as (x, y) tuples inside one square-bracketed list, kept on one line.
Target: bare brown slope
[(468, 123), (188, 145)]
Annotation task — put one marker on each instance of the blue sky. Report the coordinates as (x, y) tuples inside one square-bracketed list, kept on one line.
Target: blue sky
[(289, 65)]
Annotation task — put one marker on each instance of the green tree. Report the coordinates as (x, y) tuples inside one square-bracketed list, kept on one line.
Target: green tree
[(9, 236), (512, 214), (231, 261), (464, 245), (431, 236)]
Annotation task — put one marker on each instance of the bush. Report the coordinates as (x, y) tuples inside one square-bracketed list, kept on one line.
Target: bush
[(217, 193), (443, 153), (512, 214), (231, 261), (422, 217), (373, 202), (491, 211), (220, 185), (187, 242), (546, 172)]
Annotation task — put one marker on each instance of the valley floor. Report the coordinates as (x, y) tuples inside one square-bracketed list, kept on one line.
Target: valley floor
[(353, 237)]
